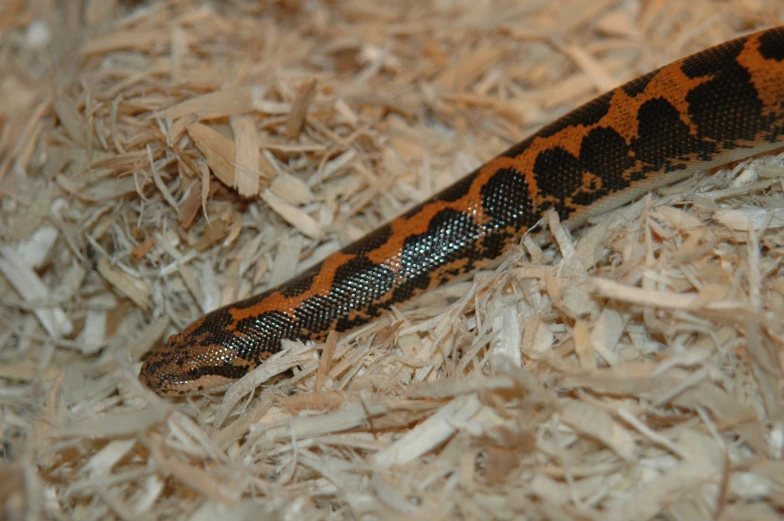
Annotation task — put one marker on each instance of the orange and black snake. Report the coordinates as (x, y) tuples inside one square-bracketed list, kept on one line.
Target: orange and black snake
[(711, 108)]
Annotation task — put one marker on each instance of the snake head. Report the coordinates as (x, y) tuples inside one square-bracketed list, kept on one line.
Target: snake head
[(186, 365), (217, 349)]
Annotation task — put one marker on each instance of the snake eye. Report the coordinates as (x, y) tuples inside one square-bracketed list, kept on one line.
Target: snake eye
[(192, 368)]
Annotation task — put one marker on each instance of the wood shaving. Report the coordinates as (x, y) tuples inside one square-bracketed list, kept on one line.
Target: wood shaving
[(160, 159)]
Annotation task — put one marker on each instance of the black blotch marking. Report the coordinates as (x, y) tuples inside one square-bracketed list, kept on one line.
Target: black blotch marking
[(589, 114), (637, 86), (713, 61), (370, 241), (605, 151), (299, 284), (449, 194), (771, 45), (232, 371), (457, 190), (494, 244), (317, 313), (360, 281), (218, 319), (357, 285), (664, 139), (405, 292), (505, 200), (558, 175), (743, 117), (708, 109), (518, 149), (450, 236), (346, 323), (605, 154), (248, 302), (261, 333), (153, 364)]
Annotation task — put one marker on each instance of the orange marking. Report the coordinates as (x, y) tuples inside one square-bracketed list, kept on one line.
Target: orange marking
[(766, 75), (276, 301)]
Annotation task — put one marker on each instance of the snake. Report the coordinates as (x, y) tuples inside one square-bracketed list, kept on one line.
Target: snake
[(720, 105)]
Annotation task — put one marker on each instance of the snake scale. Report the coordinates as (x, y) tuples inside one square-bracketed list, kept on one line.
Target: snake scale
[(711, 108)]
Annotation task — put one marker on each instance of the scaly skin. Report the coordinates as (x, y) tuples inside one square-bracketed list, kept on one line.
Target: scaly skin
[(716, 106)]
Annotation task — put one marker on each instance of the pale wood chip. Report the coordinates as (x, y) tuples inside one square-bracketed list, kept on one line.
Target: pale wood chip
[(246, 161), (751, 218), (127, 285), (430, 433), (599, 424), (219, 104), (218, 150), (299, 108), (293, 215), (26, 282)]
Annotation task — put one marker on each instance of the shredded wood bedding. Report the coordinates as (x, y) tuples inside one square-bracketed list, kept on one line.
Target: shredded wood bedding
[(160, 159)]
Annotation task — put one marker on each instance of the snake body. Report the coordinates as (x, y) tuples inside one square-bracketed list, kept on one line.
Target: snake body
[(717, 106)]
